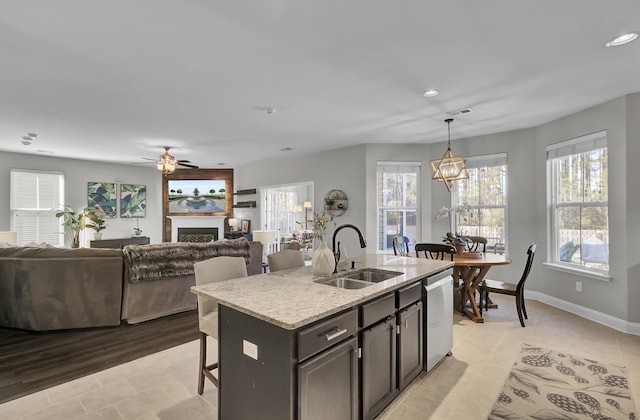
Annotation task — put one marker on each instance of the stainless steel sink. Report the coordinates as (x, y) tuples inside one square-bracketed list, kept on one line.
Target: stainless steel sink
[(344, 283), (358, 279), (372, 275)]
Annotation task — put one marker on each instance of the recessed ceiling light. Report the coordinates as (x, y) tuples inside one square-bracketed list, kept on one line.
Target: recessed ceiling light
[(622, 39), (431, 93)]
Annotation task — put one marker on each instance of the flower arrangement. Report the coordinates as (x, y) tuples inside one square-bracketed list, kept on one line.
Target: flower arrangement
[(455, 239), (461, 211), (319, 224)]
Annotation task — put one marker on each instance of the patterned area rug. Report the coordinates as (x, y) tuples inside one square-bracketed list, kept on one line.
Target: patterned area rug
[(544, 385)]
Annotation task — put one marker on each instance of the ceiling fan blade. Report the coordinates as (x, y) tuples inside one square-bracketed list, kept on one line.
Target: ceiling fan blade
[(188, 165)]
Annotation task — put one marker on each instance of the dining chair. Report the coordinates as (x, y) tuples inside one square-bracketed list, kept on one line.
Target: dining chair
[(285, 259), (435, 251), (209, 271), (400, 245), (476, 244), (510, 289)]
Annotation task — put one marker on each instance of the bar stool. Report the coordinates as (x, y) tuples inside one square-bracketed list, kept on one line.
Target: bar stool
[(209, 271)]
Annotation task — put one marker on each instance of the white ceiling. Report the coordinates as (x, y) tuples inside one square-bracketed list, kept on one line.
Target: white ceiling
[(115, 80)]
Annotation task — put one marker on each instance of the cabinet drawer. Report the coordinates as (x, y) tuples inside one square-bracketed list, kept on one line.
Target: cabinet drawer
[(327, 333), (373, 312), (409, 294)]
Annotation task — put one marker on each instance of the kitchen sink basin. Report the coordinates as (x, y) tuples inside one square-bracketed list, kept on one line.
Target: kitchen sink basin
[(358, 279), (344, 283), (372, 275)]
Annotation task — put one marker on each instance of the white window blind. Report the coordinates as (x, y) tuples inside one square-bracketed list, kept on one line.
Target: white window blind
[(34, 200)]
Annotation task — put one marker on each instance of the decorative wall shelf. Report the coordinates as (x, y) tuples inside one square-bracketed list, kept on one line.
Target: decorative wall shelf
[(335, 202), (245, 204)]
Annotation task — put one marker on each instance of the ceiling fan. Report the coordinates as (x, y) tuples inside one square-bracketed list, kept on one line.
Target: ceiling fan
[(167, 163)]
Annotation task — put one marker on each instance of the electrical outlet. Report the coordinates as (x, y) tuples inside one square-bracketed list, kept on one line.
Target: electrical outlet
[(250, 349), (578, 286)]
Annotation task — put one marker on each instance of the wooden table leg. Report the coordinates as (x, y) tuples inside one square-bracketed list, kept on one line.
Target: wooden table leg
[(471, 283)]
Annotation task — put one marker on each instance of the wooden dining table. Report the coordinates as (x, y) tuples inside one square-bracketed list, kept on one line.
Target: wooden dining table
[(471, 270)]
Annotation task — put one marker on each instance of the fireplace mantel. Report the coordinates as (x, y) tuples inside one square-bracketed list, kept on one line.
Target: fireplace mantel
[(195, 221)]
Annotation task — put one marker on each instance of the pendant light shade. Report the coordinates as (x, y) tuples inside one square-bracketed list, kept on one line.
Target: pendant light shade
[(450, 168)]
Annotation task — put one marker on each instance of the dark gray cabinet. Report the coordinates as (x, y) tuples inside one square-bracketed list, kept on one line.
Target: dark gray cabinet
[(410, 347), (378, 344), (119, 243), (391, 340), (328, 384), (350, 365)]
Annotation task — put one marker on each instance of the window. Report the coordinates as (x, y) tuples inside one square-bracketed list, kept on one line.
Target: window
[(35, 199), (579, 202), (398, 185), (481, 201), (279, 210)]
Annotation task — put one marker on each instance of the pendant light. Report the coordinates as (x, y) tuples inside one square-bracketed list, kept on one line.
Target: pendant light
[(450, 168)]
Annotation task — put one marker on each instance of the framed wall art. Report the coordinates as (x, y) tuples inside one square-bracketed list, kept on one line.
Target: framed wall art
[(103, 195), (133, 201)]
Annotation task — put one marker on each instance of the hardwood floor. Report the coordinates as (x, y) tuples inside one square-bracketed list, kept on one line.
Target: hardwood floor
[(33, 361)]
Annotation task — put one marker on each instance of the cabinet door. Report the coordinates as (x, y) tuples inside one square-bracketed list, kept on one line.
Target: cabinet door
[(328, 384), (378, 367), (410, 354)]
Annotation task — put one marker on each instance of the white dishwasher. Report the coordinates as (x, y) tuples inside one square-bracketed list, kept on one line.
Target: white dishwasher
[(438, 318)]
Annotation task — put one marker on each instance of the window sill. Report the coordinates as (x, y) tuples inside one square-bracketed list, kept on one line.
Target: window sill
[(579, 271)]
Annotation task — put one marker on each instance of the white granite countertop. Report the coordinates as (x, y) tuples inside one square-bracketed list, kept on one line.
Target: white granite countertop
[(291, 299)]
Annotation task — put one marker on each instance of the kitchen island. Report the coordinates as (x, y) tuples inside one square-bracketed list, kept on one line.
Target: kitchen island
[(292, 348)]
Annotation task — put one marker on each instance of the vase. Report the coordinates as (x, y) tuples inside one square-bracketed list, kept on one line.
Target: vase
[(460, 248), (323, 262), (97, 236)]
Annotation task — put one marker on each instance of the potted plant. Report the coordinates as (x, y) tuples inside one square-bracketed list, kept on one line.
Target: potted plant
[(96, 221), (74, 221), (458, 240)]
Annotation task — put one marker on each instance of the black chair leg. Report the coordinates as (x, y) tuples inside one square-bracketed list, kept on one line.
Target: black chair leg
[(524, 309), (486, 301), (519, 308), (202, 361)]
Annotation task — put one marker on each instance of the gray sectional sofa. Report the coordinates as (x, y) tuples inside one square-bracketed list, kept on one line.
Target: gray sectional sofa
[(48, 288)]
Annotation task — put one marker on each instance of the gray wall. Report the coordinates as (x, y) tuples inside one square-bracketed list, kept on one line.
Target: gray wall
[(77, 174), (341, 169), (607, 297), (633, 206)]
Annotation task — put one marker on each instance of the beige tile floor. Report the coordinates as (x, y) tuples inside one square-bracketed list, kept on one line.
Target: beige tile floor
[(464, 386)]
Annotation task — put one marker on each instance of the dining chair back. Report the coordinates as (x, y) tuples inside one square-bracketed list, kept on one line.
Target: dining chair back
[(435, 251), (517, 290), (209, 271), (285, 259), (400, 245), (476, 244)]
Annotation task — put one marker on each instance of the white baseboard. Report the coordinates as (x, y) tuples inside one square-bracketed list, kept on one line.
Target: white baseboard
[(595, 316)]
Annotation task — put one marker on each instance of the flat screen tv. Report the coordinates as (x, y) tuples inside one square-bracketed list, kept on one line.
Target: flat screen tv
[(198, 192)]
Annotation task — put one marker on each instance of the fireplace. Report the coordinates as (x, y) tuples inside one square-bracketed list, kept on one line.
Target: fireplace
[(197, 234), (213, 225)]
